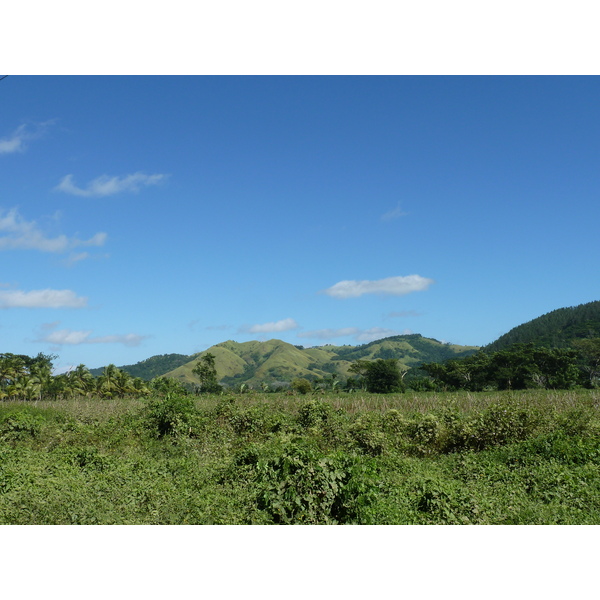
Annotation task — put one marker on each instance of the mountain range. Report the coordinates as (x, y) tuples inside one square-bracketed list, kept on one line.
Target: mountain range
[(274, 360)]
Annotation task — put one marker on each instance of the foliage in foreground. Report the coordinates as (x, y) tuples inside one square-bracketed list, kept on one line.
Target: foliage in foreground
[(532, 458)]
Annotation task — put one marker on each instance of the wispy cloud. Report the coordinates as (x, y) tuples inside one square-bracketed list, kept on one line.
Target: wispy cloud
[(273, 327), (393, 214), (17, 141), (18, 234), (106, 185), (41, 299), (394, 286), (70, 337)]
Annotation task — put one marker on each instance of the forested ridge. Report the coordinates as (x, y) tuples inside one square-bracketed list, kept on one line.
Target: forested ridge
[(155, 366), (556, 329)]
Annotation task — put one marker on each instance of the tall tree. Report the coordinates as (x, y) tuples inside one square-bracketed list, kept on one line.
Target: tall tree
[(206, 371), (381, 376)]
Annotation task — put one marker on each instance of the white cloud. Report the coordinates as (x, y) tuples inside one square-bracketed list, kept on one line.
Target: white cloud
[(17, 142), (395, 213), (274, 327), (395, 286), (69, 337), (18, 234), (41, 299), (75, 258), (108, 186)]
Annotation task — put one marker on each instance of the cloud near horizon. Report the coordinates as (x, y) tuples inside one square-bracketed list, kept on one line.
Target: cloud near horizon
[(108, 186), (41, 299), (393, 286), (70, 337), (273, 327), (18, 234)]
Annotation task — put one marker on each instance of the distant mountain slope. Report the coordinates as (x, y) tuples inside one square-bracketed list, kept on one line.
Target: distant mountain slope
[(555, 329), (257, 362), (155, 366)]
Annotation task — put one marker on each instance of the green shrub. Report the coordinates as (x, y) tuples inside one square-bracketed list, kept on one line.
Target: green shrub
[(428, 434), (300, 486), (88, 458), (394, 422), (260, 419), (503, 423), (172, 415), (440, 501), (367, 434), (313, 413), (576, 421), (19, 425), (559, 447), (301, 385)]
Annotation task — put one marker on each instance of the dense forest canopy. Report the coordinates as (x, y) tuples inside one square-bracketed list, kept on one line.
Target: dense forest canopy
[(556, 329), (155, 366)]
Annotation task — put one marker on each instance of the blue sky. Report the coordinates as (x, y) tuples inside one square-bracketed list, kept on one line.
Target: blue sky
[(150, 215)]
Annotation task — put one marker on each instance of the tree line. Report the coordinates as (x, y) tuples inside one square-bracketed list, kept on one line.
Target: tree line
[(521, 366), (26, 378), (518, 367)]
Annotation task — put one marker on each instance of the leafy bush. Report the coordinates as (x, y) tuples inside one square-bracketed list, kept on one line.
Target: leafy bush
[(558, 446), (576, 421), (301, 385), (428, 434), (367, 434), (394, 422), (313, 413), (256, 419), (440, 501), (19, 425), (169, 416), (300, 486), (88, 458), (503, 423)]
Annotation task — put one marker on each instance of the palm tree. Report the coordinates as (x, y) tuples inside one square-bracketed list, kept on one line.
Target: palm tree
[(123, 383), (139, 387), (11, 368), (82, 382), (106, 383)]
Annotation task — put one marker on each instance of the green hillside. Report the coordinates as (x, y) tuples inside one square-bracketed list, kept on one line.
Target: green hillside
[(556, 329), (155, 366), (274, 360)]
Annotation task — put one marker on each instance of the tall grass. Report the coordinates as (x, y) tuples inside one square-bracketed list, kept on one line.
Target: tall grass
[(351, 403)]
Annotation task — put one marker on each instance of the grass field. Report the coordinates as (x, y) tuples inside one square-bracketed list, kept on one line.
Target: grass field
[(416, 458)]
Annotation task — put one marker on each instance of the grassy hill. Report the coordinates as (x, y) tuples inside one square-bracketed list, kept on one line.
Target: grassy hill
[(556, 329), (274, 360)]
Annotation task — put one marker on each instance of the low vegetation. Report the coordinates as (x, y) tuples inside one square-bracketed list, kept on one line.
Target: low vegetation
[(374, 434), (528, 457)]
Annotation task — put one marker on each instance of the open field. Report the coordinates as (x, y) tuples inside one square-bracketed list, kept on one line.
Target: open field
[(529, 457)]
